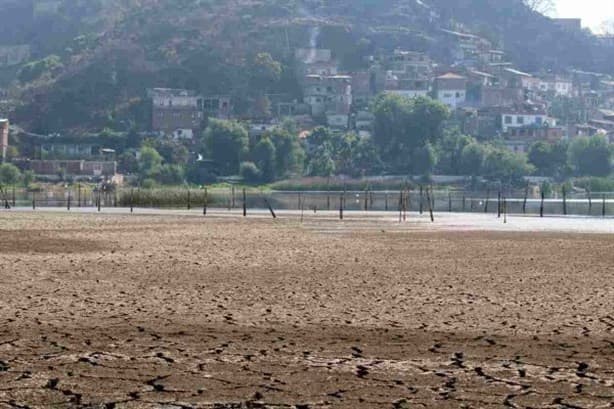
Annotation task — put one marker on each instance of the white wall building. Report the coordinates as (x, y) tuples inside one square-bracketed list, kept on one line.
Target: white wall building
[(520, 120)]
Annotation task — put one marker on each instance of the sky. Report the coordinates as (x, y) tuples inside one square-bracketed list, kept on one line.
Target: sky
[(592, 12)]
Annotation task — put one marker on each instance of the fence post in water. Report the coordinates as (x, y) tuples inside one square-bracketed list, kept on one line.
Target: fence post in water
[(132, 200), (244, 203), (366, 200), (421, 199), (564, 201), (603, 207), (431, 201), (590, 202), (464, 202), (541, 207), (189, 201), (68, 201), (268, 205), (499, 205), (386, 201), (340, 207), (205, 203), (505, 210), (524, 203), (450, 202)]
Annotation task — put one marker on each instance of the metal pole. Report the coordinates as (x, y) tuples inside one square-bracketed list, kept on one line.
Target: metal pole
[(564, 201), (541, 207)]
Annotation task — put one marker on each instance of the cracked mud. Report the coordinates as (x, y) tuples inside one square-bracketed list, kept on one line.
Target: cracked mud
[(180, 312)]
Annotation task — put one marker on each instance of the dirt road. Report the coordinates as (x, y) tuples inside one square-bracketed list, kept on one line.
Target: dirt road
[(166, 311)]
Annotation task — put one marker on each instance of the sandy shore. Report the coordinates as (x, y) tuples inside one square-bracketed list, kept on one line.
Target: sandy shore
[(120, 311)]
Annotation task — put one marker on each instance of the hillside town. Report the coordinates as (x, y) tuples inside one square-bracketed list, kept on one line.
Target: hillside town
[(487, 97)]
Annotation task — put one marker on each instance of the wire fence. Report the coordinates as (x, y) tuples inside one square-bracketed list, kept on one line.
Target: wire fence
[(423, 199)]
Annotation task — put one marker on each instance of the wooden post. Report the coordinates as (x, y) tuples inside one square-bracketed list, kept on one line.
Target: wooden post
[(464, 202), (340, 207), (270, 208), (386, 201), (233, 202), (590, 203), (132, 200), (302, 210), (189, 201), (450, 202), (603, 212), (366, 200), (499, 205), (244, 203), (431, 202), (541, 207), (505, 210), (564, 201), (33, 200), (205, 202), (400, 205), (487, 199), (99, 199), (14, 197), (524, 203), (68, 201), (79, 195), (405, 199), (421, 199), (115, 197)]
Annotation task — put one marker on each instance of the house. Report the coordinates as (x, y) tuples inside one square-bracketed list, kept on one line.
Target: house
[(363, 88), (217, 106), (556, 85), (410, 64), (451, 89), (4, 138), (330, 96), (568, 24), (363, 123), (468, 50), (520, 118), (315, 61), (76, 169), (176, 113)]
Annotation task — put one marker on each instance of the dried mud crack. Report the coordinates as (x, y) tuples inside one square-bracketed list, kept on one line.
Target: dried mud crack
[(171, 312)]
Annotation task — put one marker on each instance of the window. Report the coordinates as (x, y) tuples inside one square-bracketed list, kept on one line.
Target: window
[(520, 120), (539, 120), (508, 119)]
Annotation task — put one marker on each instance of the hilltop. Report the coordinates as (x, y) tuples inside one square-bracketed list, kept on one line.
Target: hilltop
[(89, 62)]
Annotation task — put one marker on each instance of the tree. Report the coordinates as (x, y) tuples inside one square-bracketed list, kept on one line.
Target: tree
[(424, 160), (472, 159), (591, 156), (149, 162), (227, 144), (450, 151), (403, 125), (249, 172), (9, 174), (541, 6), (264, 156), (549, 159), (322, 163), (290, 155), (506, 166), (171, 174), (265, 72)]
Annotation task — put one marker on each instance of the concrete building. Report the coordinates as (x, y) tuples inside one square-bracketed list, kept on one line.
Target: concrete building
[(176, 113), (451, 89), (77, 169), (410, 64), (330, 96)]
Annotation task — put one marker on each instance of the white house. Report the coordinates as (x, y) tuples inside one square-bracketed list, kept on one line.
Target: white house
[(521, 119), (451, 89)]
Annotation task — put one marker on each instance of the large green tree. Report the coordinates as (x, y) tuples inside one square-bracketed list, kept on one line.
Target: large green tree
[(264, 156), (226, 143), (403, 125), (591, 156)]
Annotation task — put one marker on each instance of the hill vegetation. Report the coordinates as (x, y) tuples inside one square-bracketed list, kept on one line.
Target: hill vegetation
[(92, 60)]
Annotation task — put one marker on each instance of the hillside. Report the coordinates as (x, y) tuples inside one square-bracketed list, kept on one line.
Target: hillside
[(91, 61)]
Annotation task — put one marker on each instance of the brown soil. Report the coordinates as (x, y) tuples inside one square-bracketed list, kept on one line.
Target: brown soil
[(134, 312)]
